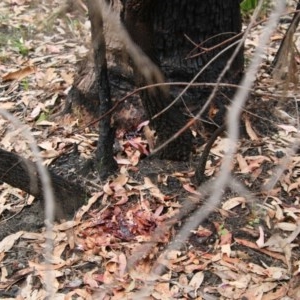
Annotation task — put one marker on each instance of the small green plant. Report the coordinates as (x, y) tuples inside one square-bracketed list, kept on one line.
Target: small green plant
[(247, 6), (42, 117), (20, 46), (222, 230), (254, 222), (73, 24), (25, 84)]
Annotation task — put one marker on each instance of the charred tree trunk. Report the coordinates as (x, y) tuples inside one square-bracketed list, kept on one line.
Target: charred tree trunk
[(181, 37), (138, 17), (23, 174), (167, 31), (105, 162), (185, 30)]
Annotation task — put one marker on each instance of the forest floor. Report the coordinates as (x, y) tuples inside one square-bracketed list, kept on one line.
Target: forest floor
[(247, 248)]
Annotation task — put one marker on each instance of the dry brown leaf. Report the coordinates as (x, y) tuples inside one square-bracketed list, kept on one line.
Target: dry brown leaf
[(45, 267), (107, 189), (7, 243), (249, 163), (191, 189), (135, 157), (86, 208), (54, 48), (163, 290), (279, 215), (286, 226), (89, 280), (58, 251), (220, 147), (278, 294), (288, 128), (121, 180), (253, 136), (261, 241), (154, 190), (276, 37), (267, 252), (45, 123), (65, 225), (233, 202), (256, 292), (230, 292), (294, 185), (196, 280), (122, 265), (173, 254), (242, 163), (33, 236), (277, 273), (20, 74), (8, 105), (49, 153), (36, 112), (122, 161)]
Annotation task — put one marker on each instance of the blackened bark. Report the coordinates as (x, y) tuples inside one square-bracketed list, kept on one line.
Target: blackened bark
[(105, 162), (166, 125), (23, 174), (167, 31), (178, 23), (138, 18)]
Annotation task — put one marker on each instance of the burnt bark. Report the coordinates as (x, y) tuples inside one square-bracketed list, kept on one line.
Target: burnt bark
[(181, 37), (188, 34), (105, 162), (166, 31), (23, 174), (138, 17), (178, 24)]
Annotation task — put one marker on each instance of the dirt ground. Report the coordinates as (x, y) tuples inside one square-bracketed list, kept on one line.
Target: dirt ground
[(247, 248)]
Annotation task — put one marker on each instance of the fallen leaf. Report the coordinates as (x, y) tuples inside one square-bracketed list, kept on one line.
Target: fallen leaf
[(121, 180), (45, 123), (8, 105), (233, 202), (197, 280), (35, 112), (253, 136), (191, 189), (20, 74), (154, 190), (267, 252), (261, 241), (288, 128), (242, 163), (7, 243)]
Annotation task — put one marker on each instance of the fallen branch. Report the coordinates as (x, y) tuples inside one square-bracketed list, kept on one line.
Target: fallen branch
[(23, 174)]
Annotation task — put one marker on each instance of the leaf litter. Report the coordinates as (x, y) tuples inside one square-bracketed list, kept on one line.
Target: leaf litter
[(244, 251)]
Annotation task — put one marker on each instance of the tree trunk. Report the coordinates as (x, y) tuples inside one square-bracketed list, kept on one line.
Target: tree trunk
[(105, 162), (167, 32), (23, 174), (181, 37), (180, 23)]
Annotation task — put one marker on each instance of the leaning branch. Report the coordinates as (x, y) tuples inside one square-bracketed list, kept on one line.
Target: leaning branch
[(23, 174)]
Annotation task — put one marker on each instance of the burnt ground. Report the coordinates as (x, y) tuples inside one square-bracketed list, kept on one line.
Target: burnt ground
[(247, 248)]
